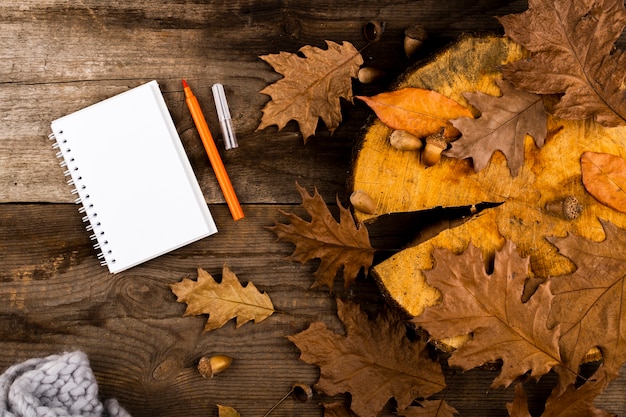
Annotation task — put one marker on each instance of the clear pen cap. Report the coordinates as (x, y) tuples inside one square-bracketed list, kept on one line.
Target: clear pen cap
[(223, 114)]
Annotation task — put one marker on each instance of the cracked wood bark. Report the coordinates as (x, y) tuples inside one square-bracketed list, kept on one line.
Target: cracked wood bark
[(399, 182)]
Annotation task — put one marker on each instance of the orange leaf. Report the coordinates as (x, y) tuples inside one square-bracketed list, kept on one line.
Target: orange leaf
[(418, 111), (604, 176)]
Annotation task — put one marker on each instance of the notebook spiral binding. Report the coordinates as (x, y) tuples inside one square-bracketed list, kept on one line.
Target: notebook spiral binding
[(90, 216)]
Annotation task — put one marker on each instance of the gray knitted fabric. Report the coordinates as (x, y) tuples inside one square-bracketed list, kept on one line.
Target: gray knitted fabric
[(56, 386)]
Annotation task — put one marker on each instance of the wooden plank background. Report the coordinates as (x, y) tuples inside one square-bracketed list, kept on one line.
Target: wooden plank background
[(59, 56)]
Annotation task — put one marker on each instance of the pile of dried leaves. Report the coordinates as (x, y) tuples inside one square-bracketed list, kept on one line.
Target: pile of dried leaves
[(550, 329)]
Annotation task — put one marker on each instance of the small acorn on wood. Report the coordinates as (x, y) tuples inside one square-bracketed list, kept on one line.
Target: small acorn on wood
[(362, 202), (435, 145), (568, 208), (405, 141), (209, 366), (414, 37), (368, 75)]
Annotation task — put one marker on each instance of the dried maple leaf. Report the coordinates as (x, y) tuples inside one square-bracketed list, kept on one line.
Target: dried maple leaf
[(374, 361), (604, 176), (418, 111), (222, 301), (312, 86), (490, 308), (589, 304), (502, 126), (572, 54), (430, 408), (338, 245)]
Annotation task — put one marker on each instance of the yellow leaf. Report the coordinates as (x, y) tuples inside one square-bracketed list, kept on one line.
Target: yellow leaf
[(418, 111), (222, 301), (225, 411), (604, 176)]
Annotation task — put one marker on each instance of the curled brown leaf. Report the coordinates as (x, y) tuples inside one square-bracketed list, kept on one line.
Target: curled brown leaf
[(572, 55)]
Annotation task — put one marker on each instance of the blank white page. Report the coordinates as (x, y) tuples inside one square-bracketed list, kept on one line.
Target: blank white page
[(133, 177)]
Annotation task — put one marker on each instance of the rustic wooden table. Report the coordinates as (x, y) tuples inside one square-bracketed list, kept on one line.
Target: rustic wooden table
[(59, 56)]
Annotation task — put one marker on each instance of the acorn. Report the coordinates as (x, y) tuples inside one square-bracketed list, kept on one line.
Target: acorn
[(362, 202), (568, 208), (209, 366), (368, 75), (435, 144), (414, 37), (405, 141)]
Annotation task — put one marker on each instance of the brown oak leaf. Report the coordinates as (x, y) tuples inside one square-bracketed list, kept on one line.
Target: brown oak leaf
[(222, 301), (519, 406), (418, 111), (578, 401), (490, 308), (572, 55), (374, 361), (337, 410), (604, 177), (314, 81), (572, 402), (589, 304), (338, 245), (430, 408), (502, 126)]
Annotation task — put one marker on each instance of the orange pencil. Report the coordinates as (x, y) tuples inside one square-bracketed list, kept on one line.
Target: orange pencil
[(212, 152)]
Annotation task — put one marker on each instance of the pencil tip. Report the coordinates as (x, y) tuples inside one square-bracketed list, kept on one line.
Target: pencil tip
[(185, 85)]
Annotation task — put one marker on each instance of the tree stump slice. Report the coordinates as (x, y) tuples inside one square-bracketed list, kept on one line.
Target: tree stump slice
[(399, 182)]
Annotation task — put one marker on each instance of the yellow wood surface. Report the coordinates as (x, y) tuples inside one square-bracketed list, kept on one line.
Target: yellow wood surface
[(398, 181)]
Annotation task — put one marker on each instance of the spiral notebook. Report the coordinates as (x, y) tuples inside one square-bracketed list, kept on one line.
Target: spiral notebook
[(139, 195)]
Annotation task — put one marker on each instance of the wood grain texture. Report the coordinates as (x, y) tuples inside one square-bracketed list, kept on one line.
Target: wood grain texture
[(59, 56)]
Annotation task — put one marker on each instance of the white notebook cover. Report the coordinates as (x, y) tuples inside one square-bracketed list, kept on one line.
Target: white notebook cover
[(130, 171)]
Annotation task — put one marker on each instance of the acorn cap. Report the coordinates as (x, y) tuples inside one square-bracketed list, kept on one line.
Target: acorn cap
[(213, 365), (572, 208), (373, 31), (437, 140), (568, 208), (302, 392)]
